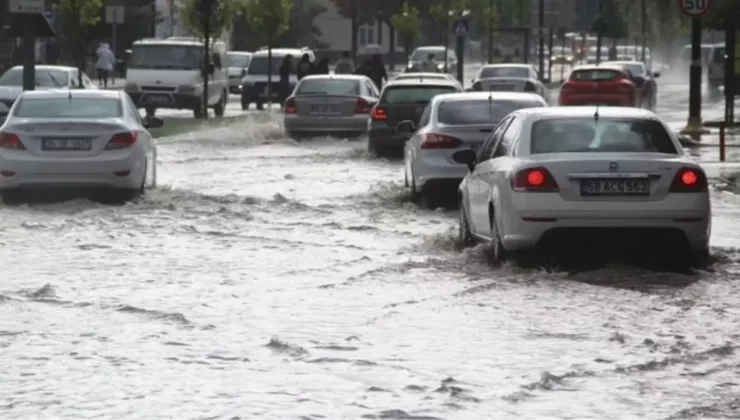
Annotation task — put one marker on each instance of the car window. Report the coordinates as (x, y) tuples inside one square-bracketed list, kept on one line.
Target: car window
[(328, 87), (44, 78), (479, 111), (86, 82), (69, 108), (508, 138), (239, 60), (75, 80), (420, 94), (490, 72), (163, 56), (583, 135), (258, 64), (486, 150), (596, 75)]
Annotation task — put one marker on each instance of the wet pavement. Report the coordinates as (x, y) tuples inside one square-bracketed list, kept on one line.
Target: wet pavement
[(269, 279)]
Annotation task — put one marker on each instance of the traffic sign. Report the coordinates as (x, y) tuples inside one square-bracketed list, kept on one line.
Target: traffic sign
[(114, 14), (27, 6), (49, 15), (694, 8), (462, 27)]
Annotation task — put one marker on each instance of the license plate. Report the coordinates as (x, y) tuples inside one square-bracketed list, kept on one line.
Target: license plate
[(158, 99), (615, 187), (66, 144), (325, 109)]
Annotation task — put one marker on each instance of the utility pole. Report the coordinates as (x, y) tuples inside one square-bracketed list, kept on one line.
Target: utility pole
[(695, 10), (490, 32), (541, 32), (354, 30), (643, 29), (600, 32), (205, 9)]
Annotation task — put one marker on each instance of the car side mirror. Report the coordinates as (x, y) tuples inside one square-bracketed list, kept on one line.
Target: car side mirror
[(466, 157), (153, 122), (244, 72), (656, 74), (406, 127)]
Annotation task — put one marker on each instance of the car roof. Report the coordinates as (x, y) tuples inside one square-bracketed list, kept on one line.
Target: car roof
[(76, 93), (423, 82), (334, 77), (421, 75), (601, 66), (431, 47), (48, 67), (284, 51), (588, 111), (506, 65), (466, 96)]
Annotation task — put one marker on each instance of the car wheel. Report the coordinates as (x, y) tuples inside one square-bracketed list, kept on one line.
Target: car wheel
[(498, 253), (260, 105), (220, 107), (197, 112), (245, 103), (700, 259), (464, 236)]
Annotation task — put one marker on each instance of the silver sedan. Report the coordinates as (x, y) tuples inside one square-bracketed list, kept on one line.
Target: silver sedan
[(330, 104), (77, 139)]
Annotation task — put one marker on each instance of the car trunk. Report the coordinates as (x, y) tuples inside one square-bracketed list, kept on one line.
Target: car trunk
[(611, 176), (65, 138), (403, 112), (502, 85), (325, 105), (472, 137)]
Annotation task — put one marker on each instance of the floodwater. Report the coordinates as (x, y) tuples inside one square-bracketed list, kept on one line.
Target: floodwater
[(268, 279)]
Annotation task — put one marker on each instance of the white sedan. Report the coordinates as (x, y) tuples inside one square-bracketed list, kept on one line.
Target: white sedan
[(77, 139), (450, 123), (586, 176)]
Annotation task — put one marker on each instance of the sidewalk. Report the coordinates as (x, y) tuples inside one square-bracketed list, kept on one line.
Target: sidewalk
[(119, 82)]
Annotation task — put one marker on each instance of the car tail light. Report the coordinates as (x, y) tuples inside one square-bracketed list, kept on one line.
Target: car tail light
[(379, 114), (688, 180), (122, 140), (11, 141), (439, 141), (530, 87), (290, 106), (362, 106), (535, 180)]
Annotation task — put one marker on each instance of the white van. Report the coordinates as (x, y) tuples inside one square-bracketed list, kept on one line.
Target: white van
[(716, 67), (254, 78), (166, 73)]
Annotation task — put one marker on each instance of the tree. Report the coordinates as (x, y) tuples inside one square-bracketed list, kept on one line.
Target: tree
[(721, 13), (78, 17), (271, 18), (406, 23)]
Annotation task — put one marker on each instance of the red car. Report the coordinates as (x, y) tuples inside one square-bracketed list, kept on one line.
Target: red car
[(599, 85)]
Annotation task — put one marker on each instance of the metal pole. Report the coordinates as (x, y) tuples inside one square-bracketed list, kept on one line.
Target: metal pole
[(643, 28), (541, 28), (695, 75), (29, 54), (549, 54), (115, 27), (460, 58), (730, 87), (600, 34), (354, 30), (490, 32), (722, 140)]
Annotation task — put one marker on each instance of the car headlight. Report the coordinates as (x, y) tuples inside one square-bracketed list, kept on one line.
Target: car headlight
[(131, 87), (440, 65), (410, 65), (188, 88)]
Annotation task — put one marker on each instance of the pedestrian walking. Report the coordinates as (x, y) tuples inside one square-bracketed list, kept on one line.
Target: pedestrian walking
[(105, 64), (379, 73), (344, 65), (305, 67), (322, 67)]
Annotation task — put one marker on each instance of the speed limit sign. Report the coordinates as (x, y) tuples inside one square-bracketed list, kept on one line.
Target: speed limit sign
[(694, 8)]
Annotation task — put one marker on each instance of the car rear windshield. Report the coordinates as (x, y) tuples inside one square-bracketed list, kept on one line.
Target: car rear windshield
[(596, 75), (258, 65), (69, 108), (413, 94), (329, 87), (479, 111), (576, 135), (490, 72)]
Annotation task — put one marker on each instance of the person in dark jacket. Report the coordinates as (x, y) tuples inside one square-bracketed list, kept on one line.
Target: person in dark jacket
[(365, 69), (322, 67), (286, 68), (305, 67), (379, 73)]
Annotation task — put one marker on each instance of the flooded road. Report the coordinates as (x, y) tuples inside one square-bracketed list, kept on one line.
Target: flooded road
[(268, 279)]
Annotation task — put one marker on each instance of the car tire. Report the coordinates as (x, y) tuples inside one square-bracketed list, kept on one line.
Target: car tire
[(245, 103), (198, 112), (700, 259), (464, 236), (220, 107), (260, 105), (497, 253)]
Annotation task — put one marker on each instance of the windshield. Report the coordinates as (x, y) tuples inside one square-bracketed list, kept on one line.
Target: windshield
[(595, 75), (175, 57), (69, 108), (329, 87), (239, 60), (479, 111), (408, 76), (439, 54), (44, 78), (562, 51), (618, 135), (490, 72), (258, 65), (413, 94), (636, 69)]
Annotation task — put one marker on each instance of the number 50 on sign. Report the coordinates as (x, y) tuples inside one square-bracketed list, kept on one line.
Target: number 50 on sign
[(694, 8)]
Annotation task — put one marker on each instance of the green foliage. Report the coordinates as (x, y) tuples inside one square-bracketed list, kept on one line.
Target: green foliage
[(301, 28), (406, 23), (221, 19), (269, 17), (80, 14), (483, 15), (722, 12)]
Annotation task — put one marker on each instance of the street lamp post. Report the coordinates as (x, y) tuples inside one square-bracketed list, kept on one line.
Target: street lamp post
[(643, 28), (490, 32), (541, 29)]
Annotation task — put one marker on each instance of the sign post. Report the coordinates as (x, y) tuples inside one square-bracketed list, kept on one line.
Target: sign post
[(695, 9), (114, 15), (29, 22)]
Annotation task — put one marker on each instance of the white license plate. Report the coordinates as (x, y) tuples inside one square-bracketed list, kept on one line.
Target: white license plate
[(66, 144), (615, 187), (325, 109), (158, 99)]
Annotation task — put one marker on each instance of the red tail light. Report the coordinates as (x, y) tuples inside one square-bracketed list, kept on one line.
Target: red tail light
[(535, 180), (362, 107), (689, 180), (11, 141), (290, 106), (122, 140), (439, 141), (379, 114)]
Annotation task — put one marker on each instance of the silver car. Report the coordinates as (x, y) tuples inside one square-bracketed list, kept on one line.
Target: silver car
[(77, 139), (330, 104), (509, 78), (424, 75), (454, 122), (47, 77), (238, 63)]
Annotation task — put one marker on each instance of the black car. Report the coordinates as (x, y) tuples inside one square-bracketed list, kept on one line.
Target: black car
[(402, 100), (647, 88)]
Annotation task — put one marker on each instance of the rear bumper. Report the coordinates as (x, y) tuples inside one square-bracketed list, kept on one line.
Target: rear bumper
[(309, 124), (600, 99), (97, 172), (387, 137), (432, 170), (176, 100)]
